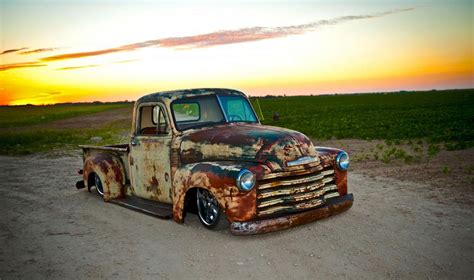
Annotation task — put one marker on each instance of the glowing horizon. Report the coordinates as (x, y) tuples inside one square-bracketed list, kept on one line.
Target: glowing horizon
[(107, 52)]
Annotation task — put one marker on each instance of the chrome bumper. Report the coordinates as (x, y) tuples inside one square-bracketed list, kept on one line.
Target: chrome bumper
[(333, 206)]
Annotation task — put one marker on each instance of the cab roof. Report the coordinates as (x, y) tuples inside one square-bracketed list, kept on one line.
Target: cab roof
[(176, 94)]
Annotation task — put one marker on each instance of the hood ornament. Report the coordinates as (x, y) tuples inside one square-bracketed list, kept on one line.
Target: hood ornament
[(302, 160)]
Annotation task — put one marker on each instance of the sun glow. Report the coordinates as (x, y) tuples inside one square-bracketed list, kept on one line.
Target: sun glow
[(120, 52)]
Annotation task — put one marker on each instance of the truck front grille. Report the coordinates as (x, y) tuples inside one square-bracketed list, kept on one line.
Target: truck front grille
[(295, 193)]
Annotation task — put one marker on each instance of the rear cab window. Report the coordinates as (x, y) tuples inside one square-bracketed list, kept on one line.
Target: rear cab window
[(152, 120)]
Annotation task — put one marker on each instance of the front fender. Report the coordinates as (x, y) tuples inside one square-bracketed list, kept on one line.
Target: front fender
[(220, 179), (111, 172)]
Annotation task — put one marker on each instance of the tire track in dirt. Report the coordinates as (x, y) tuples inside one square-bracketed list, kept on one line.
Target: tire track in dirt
[(50, 230)]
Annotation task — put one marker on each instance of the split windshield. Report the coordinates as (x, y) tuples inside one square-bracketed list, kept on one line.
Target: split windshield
[(203, 111)]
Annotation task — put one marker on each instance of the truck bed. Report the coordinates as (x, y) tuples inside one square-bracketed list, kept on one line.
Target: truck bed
[(119, 150), (149, 207)]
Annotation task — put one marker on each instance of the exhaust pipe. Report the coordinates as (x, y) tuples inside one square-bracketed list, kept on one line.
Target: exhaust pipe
[(80, 184)]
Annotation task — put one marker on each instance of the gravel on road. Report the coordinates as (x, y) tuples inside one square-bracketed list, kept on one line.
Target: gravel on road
[(50, 230)]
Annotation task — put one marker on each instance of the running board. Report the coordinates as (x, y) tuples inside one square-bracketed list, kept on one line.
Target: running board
[(149, 207)]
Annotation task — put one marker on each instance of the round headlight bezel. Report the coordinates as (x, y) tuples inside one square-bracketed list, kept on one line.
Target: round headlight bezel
[(243, 182), (342, 161)]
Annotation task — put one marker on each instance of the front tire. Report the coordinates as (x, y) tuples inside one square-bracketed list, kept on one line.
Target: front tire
[(98, 185), (209, 212)]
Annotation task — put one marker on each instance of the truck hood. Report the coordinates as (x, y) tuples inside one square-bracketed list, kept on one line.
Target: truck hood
[(245, 142)]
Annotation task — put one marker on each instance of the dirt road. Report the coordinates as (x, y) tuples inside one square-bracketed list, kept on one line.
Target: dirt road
[(48, 229)]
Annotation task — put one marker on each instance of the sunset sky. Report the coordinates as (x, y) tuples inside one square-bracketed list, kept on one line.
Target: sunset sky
[(67, 51)]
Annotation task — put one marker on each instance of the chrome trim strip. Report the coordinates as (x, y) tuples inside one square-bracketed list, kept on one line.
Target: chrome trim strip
[(290, 191), (299, 171), (288, 196), (302, 160), (290, 182), (319, 176), (331, 195), (301, 206), (328, 172), (292, 198)]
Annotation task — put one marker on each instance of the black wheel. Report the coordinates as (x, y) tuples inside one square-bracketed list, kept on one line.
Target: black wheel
[(209, 212), (98, 185)]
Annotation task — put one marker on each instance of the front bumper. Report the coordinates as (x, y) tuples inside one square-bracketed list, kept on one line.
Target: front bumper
[(332, 207)]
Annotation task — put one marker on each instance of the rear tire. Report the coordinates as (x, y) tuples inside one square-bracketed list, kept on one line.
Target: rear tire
[(209, 212), (98, 185)]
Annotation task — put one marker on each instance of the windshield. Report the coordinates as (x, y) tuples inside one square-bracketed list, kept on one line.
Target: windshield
[(203, 111), (237, 109)]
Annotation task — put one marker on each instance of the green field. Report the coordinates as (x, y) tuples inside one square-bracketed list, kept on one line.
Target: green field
[(434, 116), (43, 140), (15, 116), (25, 130), (440, 118)]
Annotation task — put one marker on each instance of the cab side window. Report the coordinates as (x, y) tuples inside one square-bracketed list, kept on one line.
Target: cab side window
[(152, 121)]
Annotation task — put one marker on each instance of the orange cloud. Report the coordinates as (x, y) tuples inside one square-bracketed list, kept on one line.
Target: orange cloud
[(226, 36), (39, 50), (80, 54), (5, 67), (12, 50)]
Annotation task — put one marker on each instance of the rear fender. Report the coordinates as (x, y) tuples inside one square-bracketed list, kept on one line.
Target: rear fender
[(111, 172)]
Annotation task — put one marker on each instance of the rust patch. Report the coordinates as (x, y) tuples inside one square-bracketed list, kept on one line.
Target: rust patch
[(152, 161), (263, 226), (111, 172), (341, 181), (154, 182), (153, 188), (219, 179), (245, 142)]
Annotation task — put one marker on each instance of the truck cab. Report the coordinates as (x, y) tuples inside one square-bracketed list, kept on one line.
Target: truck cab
[(205, 151)]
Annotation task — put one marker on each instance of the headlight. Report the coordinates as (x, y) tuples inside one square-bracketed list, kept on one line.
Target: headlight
[(245, 180), (342, 160)]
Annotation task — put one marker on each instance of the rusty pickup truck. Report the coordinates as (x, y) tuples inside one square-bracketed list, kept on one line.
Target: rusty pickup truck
[(205, 151)]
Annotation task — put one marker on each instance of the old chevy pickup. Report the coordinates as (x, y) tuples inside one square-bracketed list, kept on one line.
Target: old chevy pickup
[(205, 151)]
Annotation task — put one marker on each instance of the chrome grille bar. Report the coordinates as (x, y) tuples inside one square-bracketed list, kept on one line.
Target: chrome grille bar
[(296, 193)]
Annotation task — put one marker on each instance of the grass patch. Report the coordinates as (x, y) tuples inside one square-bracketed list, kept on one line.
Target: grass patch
[(17, 116), (28, 142)]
